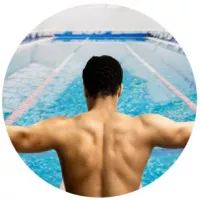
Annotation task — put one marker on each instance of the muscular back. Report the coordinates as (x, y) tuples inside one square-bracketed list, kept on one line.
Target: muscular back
[(103, 155)]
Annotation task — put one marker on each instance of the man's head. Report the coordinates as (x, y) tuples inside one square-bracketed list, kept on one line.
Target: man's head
[(102, 77)]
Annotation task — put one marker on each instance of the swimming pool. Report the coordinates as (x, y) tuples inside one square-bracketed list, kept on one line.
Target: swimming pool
[(51, 85)]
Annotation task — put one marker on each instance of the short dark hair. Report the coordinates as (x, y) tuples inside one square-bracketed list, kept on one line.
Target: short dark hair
[(102, 76)]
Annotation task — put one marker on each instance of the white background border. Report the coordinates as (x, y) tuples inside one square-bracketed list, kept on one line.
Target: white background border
[(179, 17)]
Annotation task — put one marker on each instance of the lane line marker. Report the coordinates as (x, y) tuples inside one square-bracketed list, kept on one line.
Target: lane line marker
[(179, 94), (28, 102)]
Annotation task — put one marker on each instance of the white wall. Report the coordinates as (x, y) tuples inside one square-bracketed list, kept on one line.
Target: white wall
[(23, 56), (100, 17)]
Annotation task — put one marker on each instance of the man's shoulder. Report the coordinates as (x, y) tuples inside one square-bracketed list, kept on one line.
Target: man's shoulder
[(152, 119), (144, 120), (57, 122)]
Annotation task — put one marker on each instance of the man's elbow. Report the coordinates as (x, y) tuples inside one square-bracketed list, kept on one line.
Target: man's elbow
[(182, 137), (22, 141)]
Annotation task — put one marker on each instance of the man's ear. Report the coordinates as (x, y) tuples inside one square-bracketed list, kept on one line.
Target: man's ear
[(120, 90), (85, 92)]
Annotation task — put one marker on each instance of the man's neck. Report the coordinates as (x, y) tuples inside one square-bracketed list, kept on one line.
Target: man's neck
[(108, 104)]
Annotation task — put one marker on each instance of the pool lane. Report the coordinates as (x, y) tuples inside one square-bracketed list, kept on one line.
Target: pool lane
[(171, 65), (177, 92), (27, 103)]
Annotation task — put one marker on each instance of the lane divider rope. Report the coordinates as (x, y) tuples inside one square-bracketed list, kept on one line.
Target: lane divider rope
[(27, 103), (179, 94)]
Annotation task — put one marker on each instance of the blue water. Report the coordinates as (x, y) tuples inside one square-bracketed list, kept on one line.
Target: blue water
[(143, 93)]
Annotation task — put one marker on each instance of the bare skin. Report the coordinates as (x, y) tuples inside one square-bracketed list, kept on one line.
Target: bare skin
[(102, 153)]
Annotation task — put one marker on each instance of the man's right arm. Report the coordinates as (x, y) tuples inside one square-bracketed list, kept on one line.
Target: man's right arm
[(166, 133), (41, 136)]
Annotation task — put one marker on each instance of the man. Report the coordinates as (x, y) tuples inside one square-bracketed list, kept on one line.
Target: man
[(102, 152)]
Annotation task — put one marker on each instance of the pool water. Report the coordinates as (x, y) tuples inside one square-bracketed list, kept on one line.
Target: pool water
[(63, 96)]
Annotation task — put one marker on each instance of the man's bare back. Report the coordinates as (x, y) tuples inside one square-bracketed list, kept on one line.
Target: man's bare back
[(104, 153)]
